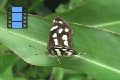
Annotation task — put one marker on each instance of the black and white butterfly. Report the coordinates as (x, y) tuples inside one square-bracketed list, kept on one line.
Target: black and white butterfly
[(59, 42)]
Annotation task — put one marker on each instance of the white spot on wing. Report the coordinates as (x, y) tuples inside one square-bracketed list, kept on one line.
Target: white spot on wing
[(57, 47), (56, 41), (71, 50), (58, 52), (64, 37), (52, 52), (69, 53), (66, 43), (66, 29), (60, 30), (54, 35), (54, 27), (60, 22), (64, 49)]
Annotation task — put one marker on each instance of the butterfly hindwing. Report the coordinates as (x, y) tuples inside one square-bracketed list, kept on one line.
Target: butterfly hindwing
[(62, 51)]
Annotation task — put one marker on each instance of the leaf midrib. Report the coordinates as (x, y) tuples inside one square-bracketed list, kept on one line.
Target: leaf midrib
[(107, 24), (99, 64), (40, 42)]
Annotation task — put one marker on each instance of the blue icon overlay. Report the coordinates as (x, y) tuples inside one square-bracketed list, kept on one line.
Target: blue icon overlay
[(17, 17)]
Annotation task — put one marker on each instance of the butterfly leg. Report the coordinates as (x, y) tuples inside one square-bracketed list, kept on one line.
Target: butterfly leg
[(58, 59)]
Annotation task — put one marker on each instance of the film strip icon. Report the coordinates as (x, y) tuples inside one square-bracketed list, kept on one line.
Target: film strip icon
[(17, 17)]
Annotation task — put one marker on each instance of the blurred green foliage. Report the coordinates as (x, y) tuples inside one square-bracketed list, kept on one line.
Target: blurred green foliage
[(101, 45), (13, 68)]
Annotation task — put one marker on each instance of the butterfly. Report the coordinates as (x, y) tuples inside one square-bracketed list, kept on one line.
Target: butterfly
[(59, 41)]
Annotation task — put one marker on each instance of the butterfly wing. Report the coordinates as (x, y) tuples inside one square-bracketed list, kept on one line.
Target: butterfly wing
[(60, 34), (59, 42)]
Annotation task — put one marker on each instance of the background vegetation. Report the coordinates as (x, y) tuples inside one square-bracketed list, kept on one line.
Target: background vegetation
[(96, 26)]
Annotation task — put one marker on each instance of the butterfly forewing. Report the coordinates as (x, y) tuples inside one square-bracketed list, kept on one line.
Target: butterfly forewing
[(59, 42)]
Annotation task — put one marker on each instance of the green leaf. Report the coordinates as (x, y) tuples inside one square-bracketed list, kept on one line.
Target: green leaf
[(2, 4), (101, 47), (58, 73), (6, 60), (98, 13), (3, 49), (71, 5), (8, 74)]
